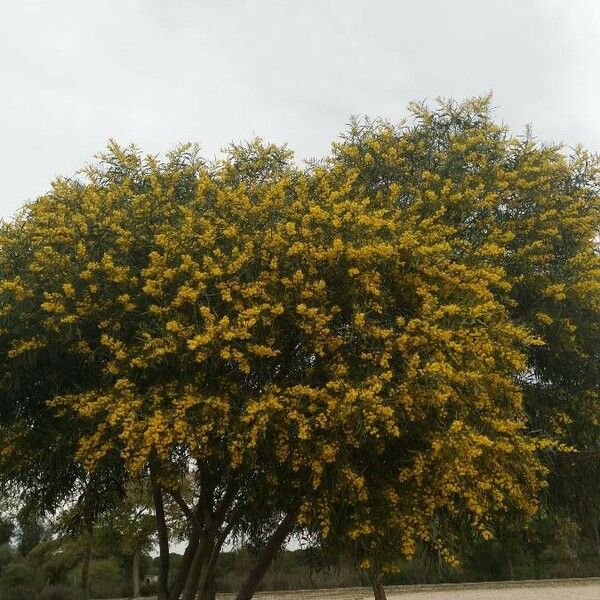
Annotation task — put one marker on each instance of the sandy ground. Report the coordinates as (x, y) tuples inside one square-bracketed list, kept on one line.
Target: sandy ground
[(585, 589)]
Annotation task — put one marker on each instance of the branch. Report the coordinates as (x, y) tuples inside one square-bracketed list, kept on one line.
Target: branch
[(225, 503), (187, 511), (209, 567), (266, 557)]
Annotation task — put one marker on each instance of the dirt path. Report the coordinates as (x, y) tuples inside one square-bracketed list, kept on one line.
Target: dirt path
[(542, 591), (573, 589), (555, 589)]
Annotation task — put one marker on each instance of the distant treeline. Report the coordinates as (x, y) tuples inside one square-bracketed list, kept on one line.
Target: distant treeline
[(553, 547)]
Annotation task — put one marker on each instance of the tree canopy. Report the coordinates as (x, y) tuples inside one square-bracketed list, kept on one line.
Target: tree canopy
[(383, 349)]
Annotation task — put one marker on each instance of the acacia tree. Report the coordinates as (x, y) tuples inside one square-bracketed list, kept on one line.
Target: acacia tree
[(144, 441), (340, 350), (555, 264), (534, 213)]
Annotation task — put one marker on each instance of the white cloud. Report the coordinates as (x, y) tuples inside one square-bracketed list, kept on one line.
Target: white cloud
[(160, 72)]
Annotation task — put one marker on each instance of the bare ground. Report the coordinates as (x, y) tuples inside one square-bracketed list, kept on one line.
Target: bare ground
[(571, 589)]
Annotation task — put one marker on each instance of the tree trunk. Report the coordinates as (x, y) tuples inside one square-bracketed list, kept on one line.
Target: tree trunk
[(209, 591), (163, 541), (85, 564), (135, 573), (201, 577), (378, 589), (207, 588), (201, 558), (511, 568), (266, 557), (186, 563)]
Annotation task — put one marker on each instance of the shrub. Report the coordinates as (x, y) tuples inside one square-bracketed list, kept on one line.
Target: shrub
[(18, 592), (59, 592), (7, 555), (16, 574)]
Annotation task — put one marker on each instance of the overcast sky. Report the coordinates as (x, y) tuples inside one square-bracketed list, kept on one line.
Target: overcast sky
[(74, 73)]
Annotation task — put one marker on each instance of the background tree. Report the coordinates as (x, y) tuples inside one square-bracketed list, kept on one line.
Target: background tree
[(31, 532), (7, 529), (129, 529)]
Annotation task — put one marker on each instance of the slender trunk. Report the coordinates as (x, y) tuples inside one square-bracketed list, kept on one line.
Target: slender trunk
[(209, 591), (266, 557), (207, 576), (163, 541), (201, 557), (378, 589), (511, 568), (186, 563), (135, 573), (85, 564), (201, 579), (207, 586)]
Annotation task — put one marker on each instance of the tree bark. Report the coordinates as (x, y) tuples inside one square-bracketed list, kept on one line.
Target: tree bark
[(207, 585), (511, 568), (201, 557), (186, 563), (135, 573), (209, 591), (266, 557), (201, 580), (85, 564), (378, 589), (163, 541)]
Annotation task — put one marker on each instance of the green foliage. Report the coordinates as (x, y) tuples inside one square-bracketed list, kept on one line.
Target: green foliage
[(106, 578), (26, 592), (7, 555), (17, 574), (19, 592), (52, 560), (31, 532), (7, 530), (59, 592)]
